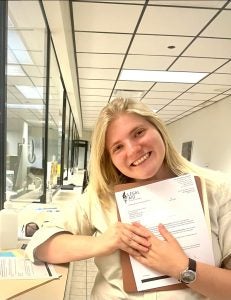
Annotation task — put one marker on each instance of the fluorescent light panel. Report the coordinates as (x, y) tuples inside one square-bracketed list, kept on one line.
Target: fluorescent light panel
[(15, 70), (35, 121), (18, 48), (161, 76), (11, 58), (10, 23), (26, 106), (31, 92)]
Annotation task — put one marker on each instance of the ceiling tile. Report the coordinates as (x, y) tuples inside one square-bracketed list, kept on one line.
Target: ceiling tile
[(208, 47), (89, 83), (140, 2), (148, 62), (104, 17), (219, 97), (158, 45), (95, 92), (99, 60), (163, 94), (133, 85), (94, 98), (208, 88), (225, 69), (169, 20), (197, 3), (102, 43), (94, 73), (196, 96), (177, 87), (14, 80), (228, 92), (33, 70), (175, 108), (197, 64), (187, 102), (220, 27), (218, 79), (156, 101)]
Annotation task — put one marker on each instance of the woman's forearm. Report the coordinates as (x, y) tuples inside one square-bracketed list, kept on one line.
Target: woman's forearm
[(212, 282), (65, 247)]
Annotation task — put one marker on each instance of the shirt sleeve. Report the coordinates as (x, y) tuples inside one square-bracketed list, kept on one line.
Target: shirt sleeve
[(223, 200), (39, 238), (224, 219), (74, 218)]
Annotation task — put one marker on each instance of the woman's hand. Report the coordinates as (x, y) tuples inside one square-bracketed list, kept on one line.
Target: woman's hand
[(164, 256), (131, 238)]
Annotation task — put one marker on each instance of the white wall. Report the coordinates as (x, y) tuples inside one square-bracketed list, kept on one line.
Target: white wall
[(209, 129), (86, 136)]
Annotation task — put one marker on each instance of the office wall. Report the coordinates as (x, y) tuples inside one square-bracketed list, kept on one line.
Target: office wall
[(209, 129), (87, 136)]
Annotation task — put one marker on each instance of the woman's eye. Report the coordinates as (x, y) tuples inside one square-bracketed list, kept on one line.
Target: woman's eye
[(116, 148), (139, 132)]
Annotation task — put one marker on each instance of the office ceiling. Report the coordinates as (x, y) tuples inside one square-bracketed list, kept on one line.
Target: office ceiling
[(189, 36), (112, 36)]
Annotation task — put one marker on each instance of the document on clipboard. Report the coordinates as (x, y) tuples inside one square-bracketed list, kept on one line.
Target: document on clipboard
[(177, 203)]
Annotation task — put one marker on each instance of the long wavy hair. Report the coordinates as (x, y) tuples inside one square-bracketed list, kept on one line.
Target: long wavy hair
[(103, 175)]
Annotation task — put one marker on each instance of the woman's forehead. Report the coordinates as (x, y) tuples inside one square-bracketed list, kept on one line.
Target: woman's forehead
[(123, 125), (127, 116)]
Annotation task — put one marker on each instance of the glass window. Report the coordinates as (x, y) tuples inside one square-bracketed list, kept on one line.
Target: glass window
[(54, 123), (26, 90), (75, 152), (70, 164), (66, 146)]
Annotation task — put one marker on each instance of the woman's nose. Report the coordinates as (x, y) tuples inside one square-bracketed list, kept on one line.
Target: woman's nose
[(133, 147)]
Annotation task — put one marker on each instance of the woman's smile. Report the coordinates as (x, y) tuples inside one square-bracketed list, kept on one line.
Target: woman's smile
[(141, 159)]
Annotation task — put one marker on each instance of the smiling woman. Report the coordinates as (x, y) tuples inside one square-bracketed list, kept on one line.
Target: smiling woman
[(130, 143)]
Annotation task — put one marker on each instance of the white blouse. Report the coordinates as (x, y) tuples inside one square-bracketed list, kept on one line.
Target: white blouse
[(88, 218)]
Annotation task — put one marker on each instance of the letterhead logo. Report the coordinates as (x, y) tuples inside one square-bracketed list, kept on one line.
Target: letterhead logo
[(124, 197), (130, 196)]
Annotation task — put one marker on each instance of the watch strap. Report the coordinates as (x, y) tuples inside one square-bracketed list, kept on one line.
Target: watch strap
[(192, 265)]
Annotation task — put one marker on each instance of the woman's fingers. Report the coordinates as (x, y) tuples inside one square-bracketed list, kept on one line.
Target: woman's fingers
[(165, 233), (136, 238)]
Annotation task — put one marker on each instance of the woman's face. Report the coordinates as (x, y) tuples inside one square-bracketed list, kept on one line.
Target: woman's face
[(136, 147)]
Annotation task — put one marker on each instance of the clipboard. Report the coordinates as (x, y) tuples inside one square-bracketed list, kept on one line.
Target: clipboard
[(129, 283)]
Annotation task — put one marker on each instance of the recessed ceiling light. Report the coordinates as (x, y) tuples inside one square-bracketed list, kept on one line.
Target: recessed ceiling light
[(161, 76)]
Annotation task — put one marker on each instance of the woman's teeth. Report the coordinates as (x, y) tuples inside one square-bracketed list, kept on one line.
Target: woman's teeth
[(140, 160)]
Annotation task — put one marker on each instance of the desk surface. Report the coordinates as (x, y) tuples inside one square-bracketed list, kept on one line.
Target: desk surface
[(35, 289), (39, 289)]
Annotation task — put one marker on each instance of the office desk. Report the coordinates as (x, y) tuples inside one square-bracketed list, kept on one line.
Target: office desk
[(35, 289), (39, 289)]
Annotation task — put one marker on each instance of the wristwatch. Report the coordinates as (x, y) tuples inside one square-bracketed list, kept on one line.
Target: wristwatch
[(189, 275)]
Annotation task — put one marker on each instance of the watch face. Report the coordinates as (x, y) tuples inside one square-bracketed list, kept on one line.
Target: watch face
[(188, 276)]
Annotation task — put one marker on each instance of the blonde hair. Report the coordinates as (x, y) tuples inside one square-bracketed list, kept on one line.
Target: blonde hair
[(103, 175)]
